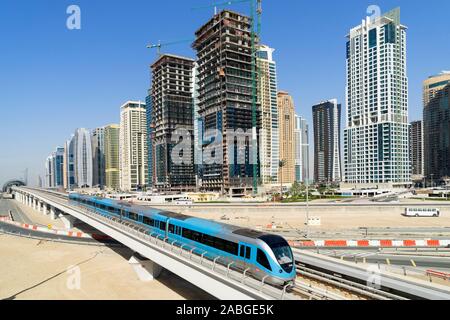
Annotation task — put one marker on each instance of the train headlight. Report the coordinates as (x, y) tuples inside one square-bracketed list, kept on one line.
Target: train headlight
[(281, 271)]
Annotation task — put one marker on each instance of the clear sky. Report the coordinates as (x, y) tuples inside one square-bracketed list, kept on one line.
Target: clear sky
[(54, 80)]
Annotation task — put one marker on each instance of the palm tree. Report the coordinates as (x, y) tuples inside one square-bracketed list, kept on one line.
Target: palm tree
[(281, 165)]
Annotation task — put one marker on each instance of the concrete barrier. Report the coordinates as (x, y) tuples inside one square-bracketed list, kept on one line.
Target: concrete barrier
[(425, 243), (71, 234)]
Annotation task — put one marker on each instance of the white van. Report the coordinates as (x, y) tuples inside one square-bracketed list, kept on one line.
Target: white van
[(422, 212)]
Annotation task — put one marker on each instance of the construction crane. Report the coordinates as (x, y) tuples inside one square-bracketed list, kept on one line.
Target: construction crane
[(254, 35), (160, 45)]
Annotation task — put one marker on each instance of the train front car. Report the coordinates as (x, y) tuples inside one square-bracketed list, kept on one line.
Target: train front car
[(281, 259)]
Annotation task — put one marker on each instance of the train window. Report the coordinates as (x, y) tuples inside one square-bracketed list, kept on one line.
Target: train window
[(197, 237), (171, 228), (231, 247), (133, 216), (148, 221), (248, 252), (218, 244), (208, 240), (162, 225), (261, 258), (242, 251), (187, 233)]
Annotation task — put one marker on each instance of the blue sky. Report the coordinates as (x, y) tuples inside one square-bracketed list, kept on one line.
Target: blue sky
[(53, 80)]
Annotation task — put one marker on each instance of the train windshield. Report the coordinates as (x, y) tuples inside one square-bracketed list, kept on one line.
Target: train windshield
[(284, 257), (281, 250)]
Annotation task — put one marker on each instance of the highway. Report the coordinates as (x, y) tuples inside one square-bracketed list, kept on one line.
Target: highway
[(7, 205), (401, 258), (28, 233)]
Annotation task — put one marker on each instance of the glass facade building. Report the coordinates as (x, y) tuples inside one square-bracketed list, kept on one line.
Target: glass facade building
[(376, 138), (327, 142), (436, 122), (269, 148)]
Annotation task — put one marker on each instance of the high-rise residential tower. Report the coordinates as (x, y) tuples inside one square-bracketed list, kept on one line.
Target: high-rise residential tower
[(49, 171), (69, 164), (327, 142), (417, 149), (286, 112), (98, 152), (83, 159), (301, 133), (112, 177), (54, 169), (436, 122), (198, 129), (376, 139), (225, 103), (269, 148), (172, 103), (133, 147), (150, 137)]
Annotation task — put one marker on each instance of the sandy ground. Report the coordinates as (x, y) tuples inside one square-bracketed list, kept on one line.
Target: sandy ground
[(332, 218), (32, 269)]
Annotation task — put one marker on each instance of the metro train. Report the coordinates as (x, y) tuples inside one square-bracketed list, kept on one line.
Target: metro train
[(264, 256)]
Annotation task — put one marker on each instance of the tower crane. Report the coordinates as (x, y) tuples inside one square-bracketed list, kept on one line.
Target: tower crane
[(160, 45)]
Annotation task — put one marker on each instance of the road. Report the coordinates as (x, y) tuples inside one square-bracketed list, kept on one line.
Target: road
[(415, 259), (7, 205), (15, 230)]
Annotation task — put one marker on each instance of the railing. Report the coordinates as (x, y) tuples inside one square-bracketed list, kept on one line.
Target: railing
[(220, 265)]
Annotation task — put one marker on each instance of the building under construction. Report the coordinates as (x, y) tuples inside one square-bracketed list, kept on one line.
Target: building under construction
[(172, 103), (225, 97)]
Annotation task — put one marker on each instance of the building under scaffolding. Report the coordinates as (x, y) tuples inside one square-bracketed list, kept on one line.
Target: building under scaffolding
[(172, 103), (225, 62)]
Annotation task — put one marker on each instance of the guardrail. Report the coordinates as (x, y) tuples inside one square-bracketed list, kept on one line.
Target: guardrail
[(401, 286), (437, 274), (214, 265)]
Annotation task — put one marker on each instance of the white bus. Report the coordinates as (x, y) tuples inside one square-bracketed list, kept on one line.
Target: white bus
[(184, 202), (422, 212)]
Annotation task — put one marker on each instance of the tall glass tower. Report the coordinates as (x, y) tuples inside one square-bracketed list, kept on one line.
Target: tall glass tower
[(269, 148), (376, 148)]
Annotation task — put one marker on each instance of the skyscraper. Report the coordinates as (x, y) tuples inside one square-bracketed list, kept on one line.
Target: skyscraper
[(301, 133), (49, 171), (150, 137), (172, 103), (54, 165), (98, 151), (417, 148), (376, 138), (133, 146), (198, 129), (112, 178), (69, 164), (436, 120), (269, 148), (83, 159), (225, 100), (286, 112), (327, 142)]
